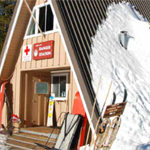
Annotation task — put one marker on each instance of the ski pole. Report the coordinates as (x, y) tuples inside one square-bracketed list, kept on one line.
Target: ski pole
[(93, 109), (101, 111)]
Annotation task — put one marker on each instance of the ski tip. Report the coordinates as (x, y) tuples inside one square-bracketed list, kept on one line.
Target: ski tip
[(114, 98), (125, 95)]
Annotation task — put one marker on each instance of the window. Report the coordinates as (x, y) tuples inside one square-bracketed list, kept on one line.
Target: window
[(31, 29), (59, 86), (45, 19)]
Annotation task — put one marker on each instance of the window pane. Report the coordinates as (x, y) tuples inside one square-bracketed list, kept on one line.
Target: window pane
[(42, 19), (31, 29), (56, 86), (49, 19), (62, 86)]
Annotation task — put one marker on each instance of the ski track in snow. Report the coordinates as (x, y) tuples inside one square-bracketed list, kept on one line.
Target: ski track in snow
[(127, 69)]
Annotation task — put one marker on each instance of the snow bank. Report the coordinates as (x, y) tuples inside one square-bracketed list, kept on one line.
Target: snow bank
[(127, 68)]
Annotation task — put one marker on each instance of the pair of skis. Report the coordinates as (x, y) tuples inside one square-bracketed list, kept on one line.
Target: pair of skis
[(108, 128)]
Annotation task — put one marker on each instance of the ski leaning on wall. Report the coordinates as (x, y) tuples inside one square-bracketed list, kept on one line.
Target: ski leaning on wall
[(50, 111), (111, 122)]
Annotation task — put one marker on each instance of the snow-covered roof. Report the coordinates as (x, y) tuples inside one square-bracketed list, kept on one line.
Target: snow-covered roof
[(79, 21)]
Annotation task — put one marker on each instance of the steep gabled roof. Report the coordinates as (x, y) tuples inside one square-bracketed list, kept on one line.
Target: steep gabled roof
[(79, 20)]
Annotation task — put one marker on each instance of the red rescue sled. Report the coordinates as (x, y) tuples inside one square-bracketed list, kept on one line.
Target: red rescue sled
[(78, 109)]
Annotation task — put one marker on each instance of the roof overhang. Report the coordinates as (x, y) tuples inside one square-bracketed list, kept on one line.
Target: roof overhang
[(14, 39)]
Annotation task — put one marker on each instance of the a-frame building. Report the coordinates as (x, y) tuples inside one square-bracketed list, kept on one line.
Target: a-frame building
[(69, 26)]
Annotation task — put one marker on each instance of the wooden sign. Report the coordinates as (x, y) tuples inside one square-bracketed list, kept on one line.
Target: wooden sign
[(114, 110), (43, 50), (41, 88)]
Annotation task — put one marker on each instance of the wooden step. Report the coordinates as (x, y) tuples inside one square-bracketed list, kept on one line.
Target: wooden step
[(42, 130), (17, 147), (20, 144), (28, 137), (25, 144), (29, 140), (40, 133), (35, 137)]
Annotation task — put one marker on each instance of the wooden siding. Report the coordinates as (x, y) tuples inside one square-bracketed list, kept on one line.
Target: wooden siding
[(59, 60), (24, 75), (38, 2)]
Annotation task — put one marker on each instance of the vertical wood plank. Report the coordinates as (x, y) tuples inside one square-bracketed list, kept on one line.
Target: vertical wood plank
[(13, 81), (67, 61), (45, 110), (26, 97), (39, 62), (62, 110), (44, 61), (51, 61), (62, 57), (57, 112), (17, 84), (30, 98), (57, 49), (42, 110), (22, 99), (33, 62)]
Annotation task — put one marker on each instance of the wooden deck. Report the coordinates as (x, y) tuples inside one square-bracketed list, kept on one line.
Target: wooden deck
[(26, 139)]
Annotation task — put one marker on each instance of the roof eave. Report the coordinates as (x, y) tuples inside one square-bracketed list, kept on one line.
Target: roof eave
[(9, 34)]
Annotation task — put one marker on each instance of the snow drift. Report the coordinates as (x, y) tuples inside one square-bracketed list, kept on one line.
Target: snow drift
[(128, 69)]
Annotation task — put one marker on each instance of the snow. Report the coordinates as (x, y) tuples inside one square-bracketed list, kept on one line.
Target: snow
[(127, 69)]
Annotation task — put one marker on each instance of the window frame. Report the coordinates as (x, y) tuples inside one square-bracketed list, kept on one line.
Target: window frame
[(60, 74), (36, 10)]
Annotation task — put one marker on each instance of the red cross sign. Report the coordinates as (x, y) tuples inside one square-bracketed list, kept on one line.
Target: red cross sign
[(27, 50), (27, 53)]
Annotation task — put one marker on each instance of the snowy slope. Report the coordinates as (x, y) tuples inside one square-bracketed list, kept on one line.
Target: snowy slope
[(127, 68)]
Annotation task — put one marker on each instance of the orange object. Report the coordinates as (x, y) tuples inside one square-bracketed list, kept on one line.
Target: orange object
[(2, 92), (78, 109)]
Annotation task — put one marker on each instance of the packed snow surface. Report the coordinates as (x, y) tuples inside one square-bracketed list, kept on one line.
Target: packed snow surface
[(127, 69)]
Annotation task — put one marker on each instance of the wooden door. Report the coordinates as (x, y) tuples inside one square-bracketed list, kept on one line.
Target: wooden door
[(35, 104), (40, 102), (34, 107)]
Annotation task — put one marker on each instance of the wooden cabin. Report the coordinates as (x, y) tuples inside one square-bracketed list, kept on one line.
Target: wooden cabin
[(46, 52)]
